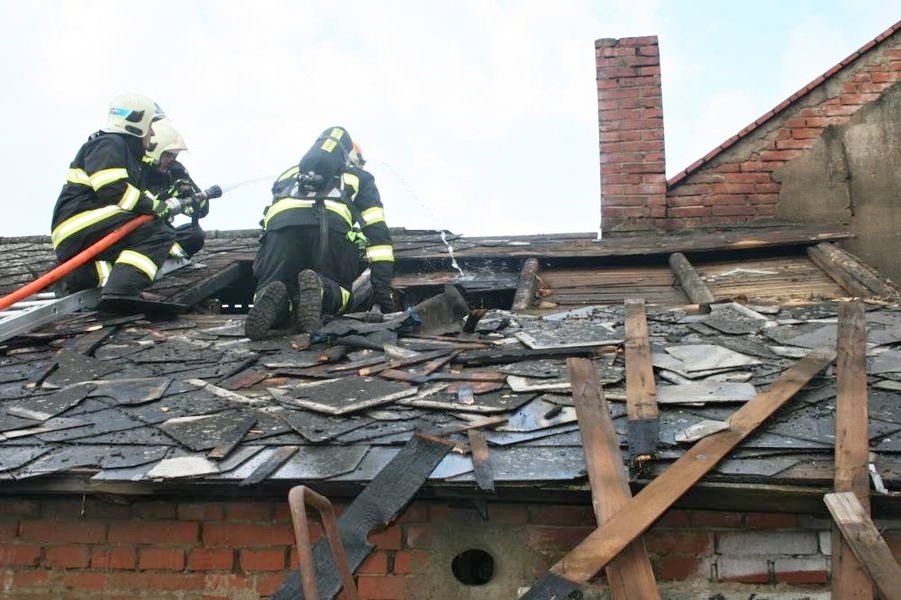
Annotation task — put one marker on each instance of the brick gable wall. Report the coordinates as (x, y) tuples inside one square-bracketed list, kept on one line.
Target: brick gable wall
[(738, 182), (83, 548)]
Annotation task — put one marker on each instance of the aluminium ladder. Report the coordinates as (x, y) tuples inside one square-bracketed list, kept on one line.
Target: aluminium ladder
[(42, 308), (45, 307)]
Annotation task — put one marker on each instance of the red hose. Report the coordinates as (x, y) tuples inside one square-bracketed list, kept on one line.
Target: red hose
[(73, 263)]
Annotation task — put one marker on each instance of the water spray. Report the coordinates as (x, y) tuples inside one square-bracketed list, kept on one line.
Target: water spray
[(447, 244), (234, 186)]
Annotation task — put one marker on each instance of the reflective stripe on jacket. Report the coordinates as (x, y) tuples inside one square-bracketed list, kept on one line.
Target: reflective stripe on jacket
[(104, 181)]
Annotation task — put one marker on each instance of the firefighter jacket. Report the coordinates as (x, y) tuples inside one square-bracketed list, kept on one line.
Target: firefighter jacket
[(351, 205), (104, 182)]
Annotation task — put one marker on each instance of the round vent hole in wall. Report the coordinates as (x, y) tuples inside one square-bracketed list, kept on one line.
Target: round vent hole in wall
[(473, 567)]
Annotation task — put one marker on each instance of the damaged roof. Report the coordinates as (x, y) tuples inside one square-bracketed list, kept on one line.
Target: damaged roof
[(182, 401)]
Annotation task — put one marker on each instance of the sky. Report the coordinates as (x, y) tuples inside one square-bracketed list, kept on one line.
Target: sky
[(477, 117)]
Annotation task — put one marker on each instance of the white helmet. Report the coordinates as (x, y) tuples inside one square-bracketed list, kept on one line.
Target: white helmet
[(132, 114), (356, 156), (165, 139)]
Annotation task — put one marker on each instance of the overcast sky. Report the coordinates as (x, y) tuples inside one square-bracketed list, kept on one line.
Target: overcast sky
[(478, 117)]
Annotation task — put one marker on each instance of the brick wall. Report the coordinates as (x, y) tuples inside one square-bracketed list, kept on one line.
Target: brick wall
[(82, 548), (630, 113), (737, 182)]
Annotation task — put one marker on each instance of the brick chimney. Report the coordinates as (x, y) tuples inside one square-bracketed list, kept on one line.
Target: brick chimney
[(630, 114)]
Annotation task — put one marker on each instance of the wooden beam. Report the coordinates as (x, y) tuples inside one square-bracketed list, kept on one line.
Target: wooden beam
[(481, 460), (528, 281), (629, 574), (200, 291), (641, 391), (852, 449), (586, 244), (856, 277), (608, 540), (689, 279), (868, 546)]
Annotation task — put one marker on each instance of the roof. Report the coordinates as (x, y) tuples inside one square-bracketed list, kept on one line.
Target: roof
[(184, 403), (785, 104)]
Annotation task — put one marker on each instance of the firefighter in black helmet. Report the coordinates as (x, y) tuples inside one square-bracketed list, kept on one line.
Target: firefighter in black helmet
[(103, 191), (325, 211)]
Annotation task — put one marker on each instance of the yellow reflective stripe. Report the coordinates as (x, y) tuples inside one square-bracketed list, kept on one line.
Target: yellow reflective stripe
[(341, 209), (352, 181), (129, 198), (376, 214), (284, 204), (345, 299), (76, 223), (103, 269), (107, 176), (78, 176), (139, 261), (178, 251), (289, 173), (382, 253), (329, 144)]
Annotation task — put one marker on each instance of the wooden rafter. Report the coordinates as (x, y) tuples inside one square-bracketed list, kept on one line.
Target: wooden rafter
[(629, 574), (609, 539)]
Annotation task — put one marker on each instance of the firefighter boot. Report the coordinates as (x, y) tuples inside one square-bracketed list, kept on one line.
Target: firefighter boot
[(269, 310), (308, 311)]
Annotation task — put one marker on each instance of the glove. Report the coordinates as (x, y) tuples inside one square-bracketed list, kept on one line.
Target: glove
[(167, 208), (358, 238), (383, 297), (198, 208), (181, 188), (381, 275)]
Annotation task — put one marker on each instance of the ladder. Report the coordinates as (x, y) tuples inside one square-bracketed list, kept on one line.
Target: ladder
[(42, 308)]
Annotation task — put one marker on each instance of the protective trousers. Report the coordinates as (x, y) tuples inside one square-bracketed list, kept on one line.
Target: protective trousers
[(133, 261), (287, 251)]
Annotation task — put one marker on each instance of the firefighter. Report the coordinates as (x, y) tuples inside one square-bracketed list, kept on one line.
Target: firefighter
[(325, 212), (168, 178), (103, 191)]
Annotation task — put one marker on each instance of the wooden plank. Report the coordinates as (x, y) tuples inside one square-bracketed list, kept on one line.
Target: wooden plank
[(641, 393), (858, 278), (629, 574), (481, 460), (689, 279), (608, 540), (586, 244), (231, 274), (525, 291), (868, 546), (503, 355), (849, 580)]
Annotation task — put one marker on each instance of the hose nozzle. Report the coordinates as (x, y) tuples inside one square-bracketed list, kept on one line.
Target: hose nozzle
[(209, 193)]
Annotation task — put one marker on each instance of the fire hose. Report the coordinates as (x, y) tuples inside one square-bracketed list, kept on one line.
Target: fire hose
[(96, 248)]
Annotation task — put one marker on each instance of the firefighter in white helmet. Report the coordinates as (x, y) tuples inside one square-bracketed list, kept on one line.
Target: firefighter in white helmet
[(167, 177), (104, 190)]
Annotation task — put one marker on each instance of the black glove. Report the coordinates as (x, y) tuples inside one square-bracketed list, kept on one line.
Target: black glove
[(381, 274), (181, 188), (383, 297)]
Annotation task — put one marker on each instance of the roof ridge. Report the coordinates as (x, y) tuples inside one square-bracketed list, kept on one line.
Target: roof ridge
[(744, 132)]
